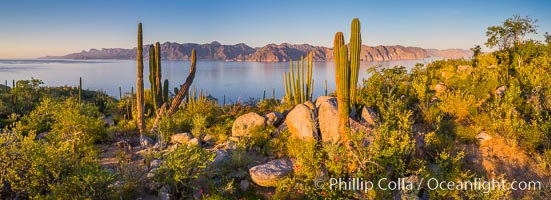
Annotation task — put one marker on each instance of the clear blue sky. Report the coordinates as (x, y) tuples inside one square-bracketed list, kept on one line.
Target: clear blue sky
[(30, 29)]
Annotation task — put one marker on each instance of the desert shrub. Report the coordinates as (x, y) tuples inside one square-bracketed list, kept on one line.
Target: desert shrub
[(181, 167), (458, 104), (394, 142), (427, 112), (65, 120), (268, 105), (466, 134), (199, 125), (447, 166), (278, 145), (258, 138), (384, 84), (308, 167), (49, 169)]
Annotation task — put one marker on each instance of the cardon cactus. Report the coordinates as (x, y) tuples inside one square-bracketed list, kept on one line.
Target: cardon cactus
[(80, 90), (152, 75), (347, 74), (139, 82), (355, 49), (165, 91), (298, 81), (158, 87)]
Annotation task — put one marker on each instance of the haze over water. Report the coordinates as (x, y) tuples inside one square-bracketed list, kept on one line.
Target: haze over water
[(237, 80)]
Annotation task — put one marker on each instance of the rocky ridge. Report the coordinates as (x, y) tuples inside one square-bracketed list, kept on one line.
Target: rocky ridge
[(268, 53)]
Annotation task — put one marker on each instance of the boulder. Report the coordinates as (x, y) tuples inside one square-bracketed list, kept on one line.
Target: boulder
[(194, 142), (244, 185), (181, 138), (368, 117), (500, 91), (245, 122), (302, 123), (274, 118), (464, 69), (357, 127), (282, 127), (270, 173), (146, 141), (440, 88), (208, 140), (151, 173), (155, 163), (328, 119), (322, 99), (239, 174), (221, 156), (164, 194), (40, 136), (483, 136), (310, 105)]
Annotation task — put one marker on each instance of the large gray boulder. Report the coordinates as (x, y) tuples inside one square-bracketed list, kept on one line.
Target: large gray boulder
[(181, 138), (270, 173), (328, 119), (301, 122), (244, 123)]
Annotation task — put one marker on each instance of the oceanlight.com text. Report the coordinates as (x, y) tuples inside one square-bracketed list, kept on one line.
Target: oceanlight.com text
[(478, 184)]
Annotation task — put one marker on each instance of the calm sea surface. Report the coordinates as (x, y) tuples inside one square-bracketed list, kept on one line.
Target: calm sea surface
[(237, 80)]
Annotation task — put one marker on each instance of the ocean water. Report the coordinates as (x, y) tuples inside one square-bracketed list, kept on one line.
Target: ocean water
[(238, 81)]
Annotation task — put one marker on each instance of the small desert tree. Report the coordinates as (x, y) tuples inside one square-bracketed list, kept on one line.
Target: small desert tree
[(511, 32)]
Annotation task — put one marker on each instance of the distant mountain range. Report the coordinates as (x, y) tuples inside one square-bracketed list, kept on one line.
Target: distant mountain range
[(269, 53)]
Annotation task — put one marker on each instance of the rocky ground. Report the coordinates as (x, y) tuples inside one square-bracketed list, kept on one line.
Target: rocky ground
[(491, 155)]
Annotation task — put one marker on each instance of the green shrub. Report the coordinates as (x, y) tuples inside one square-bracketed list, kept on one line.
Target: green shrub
[(181, 167), (50, 169), (458, 104), (466, 134)]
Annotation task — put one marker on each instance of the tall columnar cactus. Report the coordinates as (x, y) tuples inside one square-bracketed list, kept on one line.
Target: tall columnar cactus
[(165, 91), (298, 81), (355, 48), (347, 74), (80, 90), (182, 93), (13, 94), (139, 82), (158, 77), (152, 75)]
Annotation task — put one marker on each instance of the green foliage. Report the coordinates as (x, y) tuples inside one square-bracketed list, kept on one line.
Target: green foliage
[(199, 123), (67, 120), (258, 138), (181, 167), (50, 169), (278, 145), (307, 168), (394, 142), (511, 32), (447, 166), (458, 104), (477, 50)]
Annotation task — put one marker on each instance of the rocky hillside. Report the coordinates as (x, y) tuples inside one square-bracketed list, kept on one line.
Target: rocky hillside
[(269, 53)]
